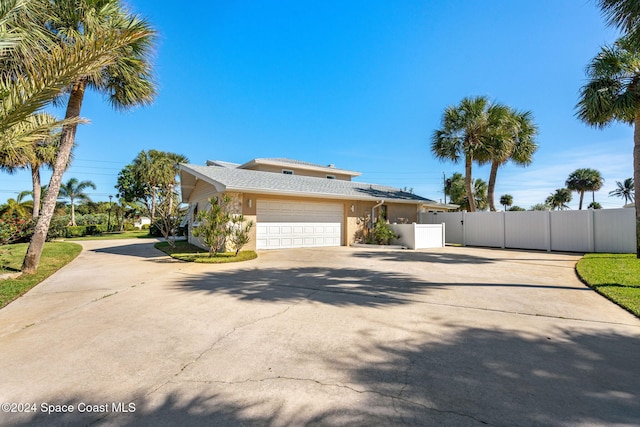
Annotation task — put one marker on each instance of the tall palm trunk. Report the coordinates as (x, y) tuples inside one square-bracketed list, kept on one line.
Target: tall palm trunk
[(491, 187), (32, 258), (581, 199), (35, 179), (636, 178), (468, 182), (73, 212)]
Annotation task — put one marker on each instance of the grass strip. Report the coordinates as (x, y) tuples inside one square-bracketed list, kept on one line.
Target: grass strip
[(616, 276), (54, 256), (185, 251), (136, 234)]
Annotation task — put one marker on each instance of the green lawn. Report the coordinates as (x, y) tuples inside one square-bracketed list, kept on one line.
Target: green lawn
[(54, 256), (187, 252), (136, 234), (616, 276)]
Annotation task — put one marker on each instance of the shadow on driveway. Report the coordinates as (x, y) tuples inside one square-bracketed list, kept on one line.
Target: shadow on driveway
[(337, 286), (475, 377)]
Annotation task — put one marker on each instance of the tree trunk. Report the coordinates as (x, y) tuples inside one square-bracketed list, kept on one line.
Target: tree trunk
[(468, 182), (37, 190), (73, 213), (581, 198), (491, 187), (32, 258), (636, 179)]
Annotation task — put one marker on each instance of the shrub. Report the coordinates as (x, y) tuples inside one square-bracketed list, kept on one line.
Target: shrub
[(76, 231), (382, 233), (12, 229), (58, 227), (128, 226), (145, 227)]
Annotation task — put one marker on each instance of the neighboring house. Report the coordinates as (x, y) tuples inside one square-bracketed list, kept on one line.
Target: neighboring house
[(297, 204), (140, 221)]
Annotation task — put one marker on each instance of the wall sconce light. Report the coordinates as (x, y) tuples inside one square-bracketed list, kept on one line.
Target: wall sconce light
[(249, 203), (353, 208)]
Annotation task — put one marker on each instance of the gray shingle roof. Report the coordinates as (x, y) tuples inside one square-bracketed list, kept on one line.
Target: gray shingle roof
[(243, 180)]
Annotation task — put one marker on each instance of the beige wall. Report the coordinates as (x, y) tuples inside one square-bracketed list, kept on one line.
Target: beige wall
[(353, 221), (301, 172)]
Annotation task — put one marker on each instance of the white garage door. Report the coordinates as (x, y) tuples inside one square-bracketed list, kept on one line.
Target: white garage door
[(286, 224)]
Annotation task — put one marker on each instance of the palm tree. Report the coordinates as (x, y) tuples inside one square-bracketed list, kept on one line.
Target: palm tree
[(17, 207), (157, 171), (625, 15), (516, 143), (624, 190), (42, 152), (611, 95), (37, 67), (466, 131), (74, 190), (582, 180), (559, 199), (127, 81), (506, 200)]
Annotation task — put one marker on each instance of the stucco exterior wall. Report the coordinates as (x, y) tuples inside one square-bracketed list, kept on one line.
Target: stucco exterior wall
[(354, 219), (301, 172)]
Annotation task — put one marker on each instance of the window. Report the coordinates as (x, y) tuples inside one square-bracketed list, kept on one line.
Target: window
[(331, 177), (287, 171)]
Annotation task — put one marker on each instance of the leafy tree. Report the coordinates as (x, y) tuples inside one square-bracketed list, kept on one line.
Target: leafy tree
[(168, 218), (594, 205), (559, 199), (151, 172), (506, 200), (582, 180), (18, 207), (125, 77), (541, 206), (239, 233), (467, 131), (516, 209), (458, 194), (214, 224), (624, 190), (74, 190), (515, 141), (612, 95)]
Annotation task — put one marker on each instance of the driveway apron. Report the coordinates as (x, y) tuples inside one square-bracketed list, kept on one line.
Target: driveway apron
[(125, 335)]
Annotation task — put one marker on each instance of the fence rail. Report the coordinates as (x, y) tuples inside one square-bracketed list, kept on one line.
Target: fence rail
[(599, 230)]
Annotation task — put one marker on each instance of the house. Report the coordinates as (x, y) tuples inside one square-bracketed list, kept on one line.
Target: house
[(297, 204)]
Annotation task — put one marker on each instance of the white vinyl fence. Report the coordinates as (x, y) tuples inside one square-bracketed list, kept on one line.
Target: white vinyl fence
[(419, 236), (599, 230)]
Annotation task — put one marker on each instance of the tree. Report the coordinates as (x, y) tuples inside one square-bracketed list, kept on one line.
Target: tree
[(458, 194), (612, 95), (506, 200), (515, 142), (168, 218), (582, 180), (126, 79), (541, 206), (74, 190), (42, 152), (154, 171), (624, 190), (37, 67), (17, 207), (516, 209), (559, 199), (466, 131), (239, 233), (624, 15), (213, 224), (594, 205)]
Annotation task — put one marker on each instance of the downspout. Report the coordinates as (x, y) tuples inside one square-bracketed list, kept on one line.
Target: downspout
[(373, 211)]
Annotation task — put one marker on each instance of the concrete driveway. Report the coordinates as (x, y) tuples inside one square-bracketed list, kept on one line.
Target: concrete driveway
[(343, 336)]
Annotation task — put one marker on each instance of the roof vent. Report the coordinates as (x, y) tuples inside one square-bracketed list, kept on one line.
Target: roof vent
[(331, 165)]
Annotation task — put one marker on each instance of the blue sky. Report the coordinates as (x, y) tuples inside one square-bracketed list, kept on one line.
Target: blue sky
[(360, 84)]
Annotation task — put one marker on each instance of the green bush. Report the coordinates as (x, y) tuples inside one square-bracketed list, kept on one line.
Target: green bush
[(145, 226), (128, 226), (58, 227), (382, 233), (76, 231)]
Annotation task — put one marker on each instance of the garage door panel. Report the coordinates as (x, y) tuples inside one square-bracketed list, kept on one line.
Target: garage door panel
[(287, 224)]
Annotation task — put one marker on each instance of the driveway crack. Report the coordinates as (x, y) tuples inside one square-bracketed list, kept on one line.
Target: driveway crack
[(346, 387)]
